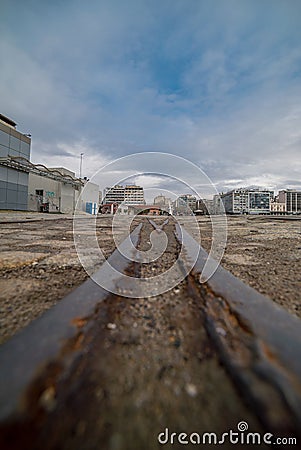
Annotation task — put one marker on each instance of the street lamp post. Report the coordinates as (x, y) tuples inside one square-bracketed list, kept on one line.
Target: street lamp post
[(81, 165)]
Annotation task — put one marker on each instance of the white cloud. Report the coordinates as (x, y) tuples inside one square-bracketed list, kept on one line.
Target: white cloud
[(218, 86)]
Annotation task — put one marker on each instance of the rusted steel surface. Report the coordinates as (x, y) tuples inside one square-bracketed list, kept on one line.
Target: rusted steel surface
[(259, 342)]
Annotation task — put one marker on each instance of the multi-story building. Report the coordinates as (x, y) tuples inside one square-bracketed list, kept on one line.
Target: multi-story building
[(247, 201), (129, 195), (236, 201), (14, 147), (260, 201), (218, 204), (161, 200), (277, 208), (134, 195), (114, 194), (292, 200), (164, 203), (185, 204)]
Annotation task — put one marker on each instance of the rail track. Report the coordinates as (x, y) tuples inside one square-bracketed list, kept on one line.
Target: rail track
[(105, 371)]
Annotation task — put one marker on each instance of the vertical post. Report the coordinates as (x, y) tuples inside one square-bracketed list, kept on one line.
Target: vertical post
[(81, 165)]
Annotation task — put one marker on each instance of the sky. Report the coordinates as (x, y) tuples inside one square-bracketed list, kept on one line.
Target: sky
[(216, 82)]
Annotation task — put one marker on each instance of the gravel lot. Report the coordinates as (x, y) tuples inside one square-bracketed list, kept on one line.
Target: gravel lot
[(265, 253), (39, 264)]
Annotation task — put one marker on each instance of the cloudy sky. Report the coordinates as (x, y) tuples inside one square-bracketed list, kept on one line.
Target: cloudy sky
[(217, 82)]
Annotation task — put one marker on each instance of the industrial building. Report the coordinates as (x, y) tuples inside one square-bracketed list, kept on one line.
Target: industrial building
[(129, 195), (14, 146), (35, 187), (53, 190), (58, 190)]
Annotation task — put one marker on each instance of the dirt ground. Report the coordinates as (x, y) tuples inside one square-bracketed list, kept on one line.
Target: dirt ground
[(39, 264), (265, 253)]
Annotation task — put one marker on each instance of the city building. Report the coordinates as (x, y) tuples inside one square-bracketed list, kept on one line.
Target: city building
[(277, 208), (218, 205), (114, 194), (161, 200), (185, 204), (292, 200), (129, 195), (235, 201), (134, 195), (247, 201), (14, 147), (260, 201)]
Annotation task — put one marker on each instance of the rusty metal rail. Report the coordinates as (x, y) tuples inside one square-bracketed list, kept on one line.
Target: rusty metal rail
[(25, 355), (258, 342)]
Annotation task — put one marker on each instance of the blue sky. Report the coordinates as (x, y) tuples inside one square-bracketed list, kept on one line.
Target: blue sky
[(217, 82)]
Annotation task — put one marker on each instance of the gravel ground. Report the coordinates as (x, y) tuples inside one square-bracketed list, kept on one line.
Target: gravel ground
[(265, 253), (39, 264)]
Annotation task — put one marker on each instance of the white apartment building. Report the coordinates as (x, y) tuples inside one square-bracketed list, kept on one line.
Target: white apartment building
[(114, 194), (128, 195), (134, 195), (277, 208)]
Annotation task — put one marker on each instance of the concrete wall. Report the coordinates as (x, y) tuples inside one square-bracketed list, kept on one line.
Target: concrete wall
[(60, 196), (89, 193), (67, 198)]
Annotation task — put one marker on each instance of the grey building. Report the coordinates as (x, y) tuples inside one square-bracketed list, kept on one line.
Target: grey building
[(260, 202), (247, 201), (185, 204), (14, 147)]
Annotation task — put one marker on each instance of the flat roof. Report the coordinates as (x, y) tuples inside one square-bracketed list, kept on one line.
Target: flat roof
[(8, 120)]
